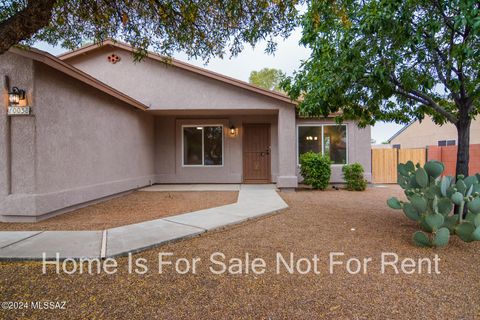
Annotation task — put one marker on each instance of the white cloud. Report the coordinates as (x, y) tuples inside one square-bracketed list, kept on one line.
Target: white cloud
[(382, 131), (287, 58)]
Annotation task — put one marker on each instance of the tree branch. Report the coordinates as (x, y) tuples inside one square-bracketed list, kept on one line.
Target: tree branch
[(410, 96), (461, 75), (25, 23), (422, 98), (448, 22), (441, 76), (461, 78), (440, 53)]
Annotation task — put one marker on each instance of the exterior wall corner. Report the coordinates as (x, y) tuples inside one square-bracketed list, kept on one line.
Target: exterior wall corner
[(287, 177)]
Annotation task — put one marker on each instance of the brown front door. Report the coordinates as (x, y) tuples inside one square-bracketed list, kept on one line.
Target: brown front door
[(256, 153)]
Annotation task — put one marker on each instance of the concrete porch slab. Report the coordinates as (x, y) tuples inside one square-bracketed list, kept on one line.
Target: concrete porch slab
[(141, 236), (267, 186), (69, 244), (192, 187)]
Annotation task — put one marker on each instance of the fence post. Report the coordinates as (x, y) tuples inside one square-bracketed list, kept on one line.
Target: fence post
[(398, 157)]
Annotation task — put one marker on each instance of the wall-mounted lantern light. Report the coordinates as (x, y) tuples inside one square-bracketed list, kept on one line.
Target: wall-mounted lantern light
[(15, 95), (233, 132)]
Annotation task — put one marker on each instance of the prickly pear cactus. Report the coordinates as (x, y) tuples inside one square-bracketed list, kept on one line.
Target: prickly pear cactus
[(431, 202)]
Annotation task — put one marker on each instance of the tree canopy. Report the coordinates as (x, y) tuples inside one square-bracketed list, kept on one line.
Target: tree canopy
[(267, 78), (392, 60), (201, 28)]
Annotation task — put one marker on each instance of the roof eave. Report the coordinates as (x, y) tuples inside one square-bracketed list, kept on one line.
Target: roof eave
[(401, 130), (54, 62)]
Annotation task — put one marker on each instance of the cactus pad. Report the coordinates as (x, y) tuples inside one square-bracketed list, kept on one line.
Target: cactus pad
[(441, 237), (394, 203), (435, 220), (421, 239), (465, 231), (457, 198), (434, 168), (474, 205)]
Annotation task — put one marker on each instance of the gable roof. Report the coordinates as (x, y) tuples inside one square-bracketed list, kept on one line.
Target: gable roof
[(181, 65), (401, 130), (55, 63)]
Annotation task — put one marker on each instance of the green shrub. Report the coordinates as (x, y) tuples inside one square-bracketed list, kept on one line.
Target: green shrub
[(315, 170), (353, 175)]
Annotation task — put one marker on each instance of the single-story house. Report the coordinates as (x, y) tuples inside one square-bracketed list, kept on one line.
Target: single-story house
[(93, 123), (418, 134)]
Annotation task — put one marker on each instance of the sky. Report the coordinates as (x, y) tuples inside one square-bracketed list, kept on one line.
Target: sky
[(288, 58)]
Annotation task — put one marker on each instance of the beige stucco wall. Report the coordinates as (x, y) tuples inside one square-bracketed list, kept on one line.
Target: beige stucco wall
[(79, 145), (16, 134), (427, 133), (358, 148), (166, 87), (170, 90), (168, 161)]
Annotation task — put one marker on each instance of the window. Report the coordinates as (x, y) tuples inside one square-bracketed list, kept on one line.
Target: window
[(396, 146), (327, 139), (443, 143), (310, 139), (335, 143), (202, 145)]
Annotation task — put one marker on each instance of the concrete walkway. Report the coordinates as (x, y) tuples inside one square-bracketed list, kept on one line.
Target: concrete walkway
[(253, 201)]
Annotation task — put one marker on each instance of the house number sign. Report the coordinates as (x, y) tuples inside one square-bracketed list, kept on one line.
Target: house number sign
[(18, 111)]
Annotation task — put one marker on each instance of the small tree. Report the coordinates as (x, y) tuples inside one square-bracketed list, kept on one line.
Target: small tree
[(394, 61), (198, 28), (267, 78)]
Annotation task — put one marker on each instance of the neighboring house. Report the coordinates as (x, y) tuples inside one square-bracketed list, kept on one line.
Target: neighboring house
[(381, 146), (102, 124), (426, 133)]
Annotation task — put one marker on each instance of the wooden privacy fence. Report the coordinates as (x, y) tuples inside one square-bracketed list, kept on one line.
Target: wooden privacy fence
[(385, 161)]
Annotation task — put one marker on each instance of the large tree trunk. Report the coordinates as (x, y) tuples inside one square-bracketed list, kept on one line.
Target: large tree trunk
[(24, 24), (463, 152)]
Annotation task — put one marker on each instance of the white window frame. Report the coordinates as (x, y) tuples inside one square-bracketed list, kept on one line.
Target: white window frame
[(322, 125), (203, 165)]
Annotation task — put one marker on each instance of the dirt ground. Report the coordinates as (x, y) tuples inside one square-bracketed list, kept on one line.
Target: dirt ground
[(359, 224), (131, 208)]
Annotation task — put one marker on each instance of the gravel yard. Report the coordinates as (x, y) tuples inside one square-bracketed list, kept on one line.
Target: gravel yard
[(131, 208), (359, 224)]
